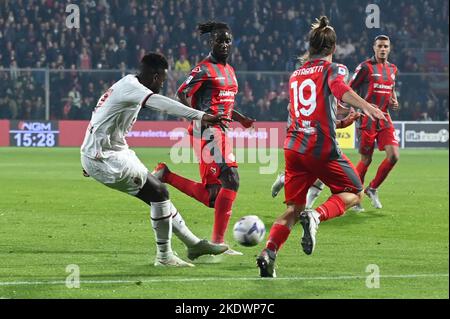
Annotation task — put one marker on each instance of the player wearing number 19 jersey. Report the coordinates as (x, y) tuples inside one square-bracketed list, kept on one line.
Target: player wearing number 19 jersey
[(311, 149)]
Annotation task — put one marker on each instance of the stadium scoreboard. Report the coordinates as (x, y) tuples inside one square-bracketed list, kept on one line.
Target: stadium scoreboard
[(34, 133)]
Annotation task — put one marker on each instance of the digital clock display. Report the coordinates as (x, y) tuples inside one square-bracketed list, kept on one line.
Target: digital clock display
[(34, 134)]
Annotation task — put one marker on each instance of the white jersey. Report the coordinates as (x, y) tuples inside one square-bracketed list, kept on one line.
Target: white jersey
[(117, 111)]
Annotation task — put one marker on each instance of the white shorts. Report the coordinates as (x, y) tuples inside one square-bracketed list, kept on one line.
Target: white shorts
[(122, 171)]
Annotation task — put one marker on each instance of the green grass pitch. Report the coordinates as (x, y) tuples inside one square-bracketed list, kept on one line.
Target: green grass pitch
[(52, 217)]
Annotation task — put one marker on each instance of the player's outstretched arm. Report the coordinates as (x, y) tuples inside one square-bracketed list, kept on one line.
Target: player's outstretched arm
[(165, 104), (354, 99)]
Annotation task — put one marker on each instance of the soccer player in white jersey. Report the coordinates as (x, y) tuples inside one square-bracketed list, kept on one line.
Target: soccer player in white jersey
[(105, 155)]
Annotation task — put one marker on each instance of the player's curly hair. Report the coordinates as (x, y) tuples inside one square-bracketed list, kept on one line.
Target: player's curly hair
[(153, 62), (322, 39), (212, 26)]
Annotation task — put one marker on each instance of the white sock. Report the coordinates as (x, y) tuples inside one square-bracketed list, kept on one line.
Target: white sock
[(181, 230), (161, 218), (283, 178), (313, 192)]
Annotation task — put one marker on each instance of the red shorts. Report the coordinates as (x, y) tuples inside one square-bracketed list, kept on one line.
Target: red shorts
[(302, 171), (383, 137), (214, 153)]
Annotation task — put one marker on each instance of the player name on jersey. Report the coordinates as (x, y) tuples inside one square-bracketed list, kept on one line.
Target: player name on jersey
[(311, 70)]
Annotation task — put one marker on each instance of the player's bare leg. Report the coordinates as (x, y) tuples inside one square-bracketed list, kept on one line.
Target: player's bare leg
[(392, 157)]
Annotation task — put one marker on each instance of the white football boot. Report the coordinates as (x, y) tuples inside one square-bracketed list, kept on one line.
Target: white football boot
[(373, 195), (278, 185), (310, 220), (232, 252), (171, 260), (357, 208)]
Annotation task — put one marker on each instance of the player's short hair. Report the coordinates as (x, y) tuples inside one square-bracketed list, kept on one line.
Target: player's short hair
[(153, 62), (381, 37), (322, 38), (212, 27)]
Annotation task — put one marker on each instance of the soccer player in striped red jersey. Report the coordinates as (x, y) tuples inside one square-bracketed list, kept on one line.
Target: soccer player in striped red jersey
[(212, 87), (311, 149), (374, 79)]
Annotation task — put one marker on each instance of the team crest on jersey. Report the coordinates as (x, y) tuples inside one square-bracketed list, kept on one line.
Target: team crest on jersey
[(196, 69)]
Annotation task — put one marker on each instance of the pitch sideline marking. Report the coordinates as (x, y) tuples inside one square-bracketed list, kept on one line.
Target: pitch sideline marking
[(162, 280)]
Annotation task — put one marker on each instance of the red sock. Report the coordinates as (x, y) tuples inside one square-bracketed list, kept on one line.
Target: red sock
[(362, 170), (190, 188), (277, 237), (383, 171), (332, 208), (222, 213)]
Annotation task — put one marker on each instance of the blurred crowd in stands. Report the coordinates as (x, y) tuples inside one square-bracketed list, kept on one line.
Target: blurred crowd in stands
[(269, 35)]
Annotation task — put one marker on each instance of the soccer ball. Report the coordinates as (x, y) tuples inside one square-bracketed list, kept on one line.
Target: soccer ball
[(249, 231)]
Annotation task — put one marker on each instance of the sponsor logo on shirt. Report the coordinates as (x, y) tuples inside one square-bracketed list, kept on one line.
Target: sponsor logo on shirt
[(382, 86), (225, 93)]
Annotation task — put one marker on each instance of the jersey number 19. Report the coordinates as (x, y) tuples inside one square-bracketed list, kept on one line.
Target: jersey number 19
[(308, 105)]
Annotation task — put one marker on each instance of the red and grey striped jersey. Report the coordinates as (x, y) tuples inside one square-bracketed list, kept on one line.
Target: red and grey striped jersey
[(212, 86), (312, 110), (374, 82)]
